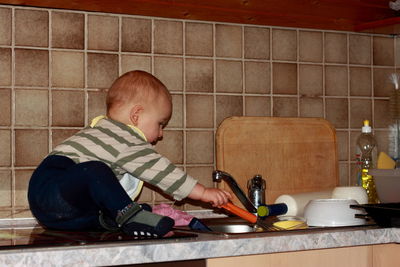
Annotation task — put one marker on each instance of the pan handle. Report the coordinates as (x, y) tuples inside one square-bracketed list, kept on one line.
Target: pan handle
[(244, 214)]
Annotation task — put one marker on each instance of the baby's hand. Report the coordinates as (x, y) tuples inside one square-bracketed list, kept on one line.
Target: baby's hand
[(216, 197)]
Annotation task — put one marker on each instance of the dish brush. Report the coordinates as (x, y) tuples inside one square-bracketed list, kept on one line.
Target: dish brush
[(394, 108)]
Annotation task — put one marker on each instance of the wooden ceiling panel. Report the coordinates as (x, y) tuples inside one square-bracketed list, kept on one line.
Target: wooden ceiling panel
[(344, 15)]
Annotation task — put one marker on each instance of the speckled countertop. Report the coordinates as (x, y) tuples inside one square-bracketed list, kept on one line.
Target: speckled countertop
[(201, 247)]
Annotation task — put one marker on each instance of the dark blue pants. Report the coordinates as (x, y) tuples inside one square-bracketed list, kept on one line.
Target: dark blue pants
[(69, 196)]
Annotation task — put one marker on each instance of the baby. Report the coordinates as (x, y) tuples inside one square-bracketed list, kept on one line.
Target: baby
[(89, 181)]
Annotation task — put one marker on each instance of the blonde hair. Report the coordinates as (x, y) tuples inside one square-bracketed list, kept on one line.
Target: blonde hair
[(139, 86)]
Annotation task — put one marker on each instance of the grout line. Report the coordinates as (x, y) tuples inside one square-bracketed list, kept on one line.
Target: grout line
[(50, 92), (298, 71), (13, 109)]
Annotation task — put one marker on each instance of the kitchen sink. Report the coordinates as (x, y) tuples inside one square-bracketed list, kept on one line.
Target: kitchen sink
[(230, 225)]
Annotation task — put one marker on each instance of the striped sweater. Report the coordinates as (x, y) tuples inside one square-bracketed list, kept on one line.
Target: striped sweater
[(125, 151)]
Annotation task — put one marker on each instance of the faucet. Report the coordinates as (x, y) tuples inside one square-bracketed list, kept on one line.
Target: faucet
[(219, 175)]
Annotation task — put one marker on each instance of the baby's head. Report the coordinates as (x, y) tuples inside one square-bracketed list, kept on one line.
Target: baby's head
[(140, 99)]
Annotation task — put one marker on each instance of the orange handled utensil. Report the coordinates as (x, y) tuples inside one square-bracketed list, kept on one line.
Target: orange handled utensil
[(244, 214)]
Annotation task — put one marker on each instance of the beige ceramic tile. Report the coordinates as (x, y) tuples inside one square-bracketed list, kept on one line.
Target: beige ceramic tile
[(68, 108), (257, 106), (382, 139), (382, 113), (228, 41), (360, 110), (168, 36), (359, 49), (228, 106), (256, 43), (102, 70), (203, 174), (67, 69), (31, 107), (382, 87), (5, 146), (311, 107), (59, 135), (96, 104), (132, 62), (229, 76), (284, 44), (257, 77), (285, 107), (5, 189), (310, 80), (5, 104), (31, 146), (337, 112), (335, 47), (342, 140), (353, 142), (199, 75), (146, 196), (171, 146), (67, 30), (360, 81), (31, 28), (161, 197), (22, 178), (336, 78), (199, 111), (199, 147), (177, 112), (284, 78), (310, 46), (5, 26), (23, 212), (383, 51), (4, 214), (343, 174), (102, 32), (31, 67), (136, 35), (172, 77), (5, 67), (198, 39)]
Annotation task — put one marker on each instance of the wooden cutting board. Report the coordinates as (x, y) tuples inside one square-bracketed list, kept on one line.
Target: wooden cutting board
[(293, 155)]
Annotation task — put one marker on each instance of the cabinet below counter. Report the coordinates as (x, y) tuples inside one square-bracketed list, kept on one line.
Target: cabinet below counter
[(357, 246)]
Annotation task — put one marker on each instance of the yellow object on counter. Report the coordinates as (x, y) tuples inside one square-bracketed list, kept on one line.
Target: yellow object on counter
[(385, 162), (290, 225)]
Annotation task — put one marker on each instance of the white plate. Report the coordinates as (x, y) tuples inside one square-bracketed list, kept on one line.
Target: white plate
[(332, 212)]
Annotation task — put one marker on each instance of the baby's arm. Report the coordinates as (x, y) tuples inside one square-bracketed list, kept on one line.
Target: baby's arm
[(216, 197)]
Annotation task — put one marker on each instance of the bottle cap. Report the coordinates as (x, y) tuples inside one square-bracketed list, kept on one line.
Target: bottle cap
[(366, 128)]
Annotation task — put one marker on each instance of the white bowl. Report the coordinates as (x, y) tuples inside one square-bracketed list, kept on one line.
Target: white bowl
[(332, 212), (357, 193)]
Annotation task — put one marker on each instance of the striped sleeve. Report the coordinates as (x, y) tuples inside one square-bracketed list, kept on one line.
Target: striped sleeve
[(149, 166)]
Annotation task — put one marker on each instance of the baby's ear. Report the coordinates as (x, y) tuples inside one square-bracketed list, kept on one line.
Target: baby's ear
[(135, 113)]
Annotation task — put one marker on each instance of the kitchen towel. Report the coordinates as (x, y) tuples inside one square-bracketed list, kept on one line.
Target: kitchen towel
[(297, 202)]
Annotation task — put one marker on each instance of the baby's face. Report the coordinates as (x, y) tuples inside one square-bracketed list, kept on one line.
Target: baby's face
[(154, 118)]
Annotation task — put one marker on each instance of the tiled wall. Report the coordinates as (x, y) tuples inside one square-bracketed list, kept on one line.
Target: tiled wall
[(56, 64)]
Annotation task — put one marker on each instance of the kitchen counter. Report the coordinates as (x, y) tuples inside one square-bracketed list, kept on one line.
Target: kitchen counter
[(201, 247)]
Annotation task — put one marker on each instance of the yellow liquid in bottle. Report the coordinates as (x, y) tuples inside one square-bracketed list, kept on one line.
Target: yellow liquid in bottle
[(369, 185)]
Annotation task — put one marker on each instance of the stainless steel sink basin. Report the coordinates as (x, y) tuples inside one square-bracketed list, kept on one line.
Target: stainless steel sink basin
[(233, 228), (229, 225)]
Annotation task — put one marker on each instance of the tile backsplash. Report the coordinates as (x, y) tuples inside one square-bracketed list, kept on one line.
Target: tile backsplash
[(56, 65)]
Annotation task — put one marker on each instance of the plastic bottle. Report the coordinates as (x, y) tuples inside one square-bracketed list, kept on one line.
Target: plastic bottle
[(366, 143)]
